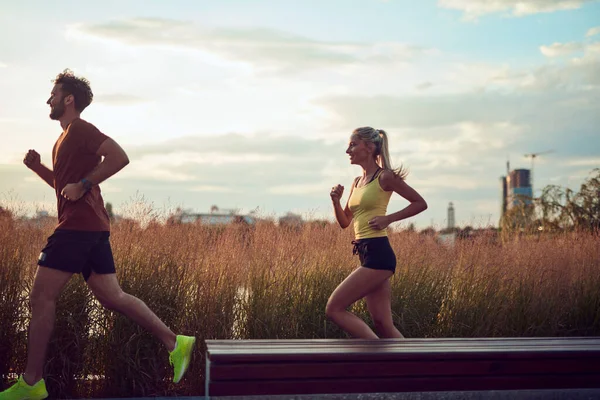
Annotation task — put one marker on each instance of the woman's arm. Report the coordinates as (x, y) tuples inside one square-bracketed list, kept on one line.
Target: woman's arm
[(391, 182)]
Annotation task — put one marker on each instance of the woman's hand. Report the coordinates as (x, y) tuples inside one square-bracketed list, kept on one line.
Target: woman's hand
[(379, 223), (336, 192)]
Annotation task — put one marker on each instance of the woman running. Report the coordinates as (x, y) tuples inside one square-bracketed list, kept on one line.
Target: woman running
[(367, 206)]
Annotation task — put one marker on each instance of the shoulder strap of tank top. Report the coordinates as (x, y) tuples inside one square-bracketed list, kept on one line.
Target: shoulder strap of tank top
[(375, 174)]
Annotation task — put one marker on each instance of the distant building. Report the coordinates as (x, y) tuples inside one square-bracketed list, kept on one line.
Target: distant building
[(516, 189), (448, 239), (519, 188), (504, 195), (451, 221), (519, 178), (291, 220), (215, 217)]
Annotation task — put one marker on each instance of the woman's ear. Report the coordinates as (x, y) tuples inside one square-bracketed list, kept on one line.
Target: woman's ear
[(372, 147)]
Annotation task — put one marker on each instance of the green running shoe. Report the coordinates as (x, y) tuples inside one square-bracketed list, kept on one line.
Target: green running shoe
[(22, 391), (182, 355)]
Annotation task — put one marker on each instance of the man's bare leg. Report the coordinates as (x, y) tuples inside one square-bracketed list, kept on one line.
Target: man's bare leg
[(47, 286), (107, 290)]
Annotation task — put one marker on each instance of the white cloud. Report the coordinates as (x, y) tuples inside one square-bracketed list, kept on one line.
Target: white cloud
[(583, 162), (181, 164), (470, 75), (2, 65), (230, 148), (453, 122), (592, 50), (429, 111), (577, 176), (445, 181), (561, 49), (593, 31), (118, 99), (580, 72), (265, 49), (235, 163), (213, 189), (144, 170), (486, 206), (575, 65), (301, 189), (475, 8), (574, 73)]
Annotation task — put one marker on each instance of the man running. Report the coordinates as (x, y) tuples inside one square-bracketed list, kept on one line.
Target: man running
[(82, 158)]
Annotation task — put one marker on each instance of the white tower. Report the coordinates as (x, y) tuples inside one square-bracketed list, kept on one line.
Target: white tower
[(450, 216)]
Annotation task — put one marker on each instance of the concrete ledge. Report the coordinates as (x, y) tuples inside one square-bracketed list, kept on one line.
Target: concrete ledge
[(570, 394)]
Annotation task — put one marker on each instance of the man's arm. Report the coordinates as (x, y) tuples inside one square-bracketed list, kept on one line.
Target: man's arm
[(33, 161), (114, 160), (46, 174)]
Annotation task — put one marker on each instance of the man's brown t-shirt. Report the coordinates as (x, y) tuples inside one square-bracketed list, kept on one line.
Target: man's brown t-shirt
[(73, 158)]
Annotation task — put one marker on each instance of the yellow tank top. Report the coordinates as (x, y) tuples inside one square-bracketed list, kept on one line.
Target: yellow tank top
[(365, 203)]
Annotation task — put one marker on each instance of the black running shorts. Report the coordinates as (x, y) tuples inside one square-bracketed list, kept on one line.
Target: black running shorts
[(375, 253), (78, 252)]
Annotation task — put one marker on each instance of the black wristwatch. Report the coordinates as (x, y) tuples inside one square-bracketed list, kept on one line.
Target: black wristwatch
[(87, 185)]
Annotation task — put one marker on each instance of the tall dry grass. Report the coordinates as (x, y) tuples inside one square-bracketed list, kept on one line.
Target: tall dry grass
[(270, 282)]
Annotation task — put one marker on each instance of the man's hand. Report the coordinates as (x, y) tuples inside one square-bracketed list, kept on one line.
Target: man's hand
[(379, 223), (73, 191), (336, 192), (32, 160)]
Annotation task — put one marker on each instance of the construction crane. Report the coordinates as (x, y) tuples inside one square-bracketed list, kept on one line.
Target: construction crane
[(533, 157)]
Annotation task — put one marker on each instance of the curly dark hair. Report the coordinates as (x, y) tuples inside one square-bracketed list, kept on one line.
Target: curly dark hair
[(79, 87)]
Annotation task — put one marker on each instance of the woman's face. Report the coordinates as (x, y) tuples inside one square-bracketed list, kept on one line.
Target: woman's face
[(358, 150)]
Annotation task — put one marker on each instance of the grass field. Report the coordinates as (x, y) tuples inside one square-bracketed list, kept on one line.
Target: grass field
[(271, 282)]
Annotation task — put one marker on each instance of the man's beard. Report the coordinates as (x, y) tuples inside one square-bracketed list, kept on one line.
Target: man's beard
[(57, 112)]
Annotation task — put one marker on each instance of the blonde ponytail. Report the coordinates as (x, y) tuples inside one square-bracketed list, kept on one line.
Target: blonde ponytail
[(382, 154)]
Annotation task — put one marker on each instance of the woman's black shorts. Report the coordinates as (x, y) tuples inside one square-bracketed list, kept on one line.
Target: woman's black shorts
[(375, 253)]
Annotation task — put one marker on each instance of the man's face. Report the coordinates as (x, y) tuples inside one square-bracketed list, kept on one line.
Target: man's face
[(57, 102)]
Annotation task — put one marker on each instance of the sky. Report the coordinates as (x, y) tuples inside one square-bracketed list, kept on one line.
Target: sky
[(249, 105)]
